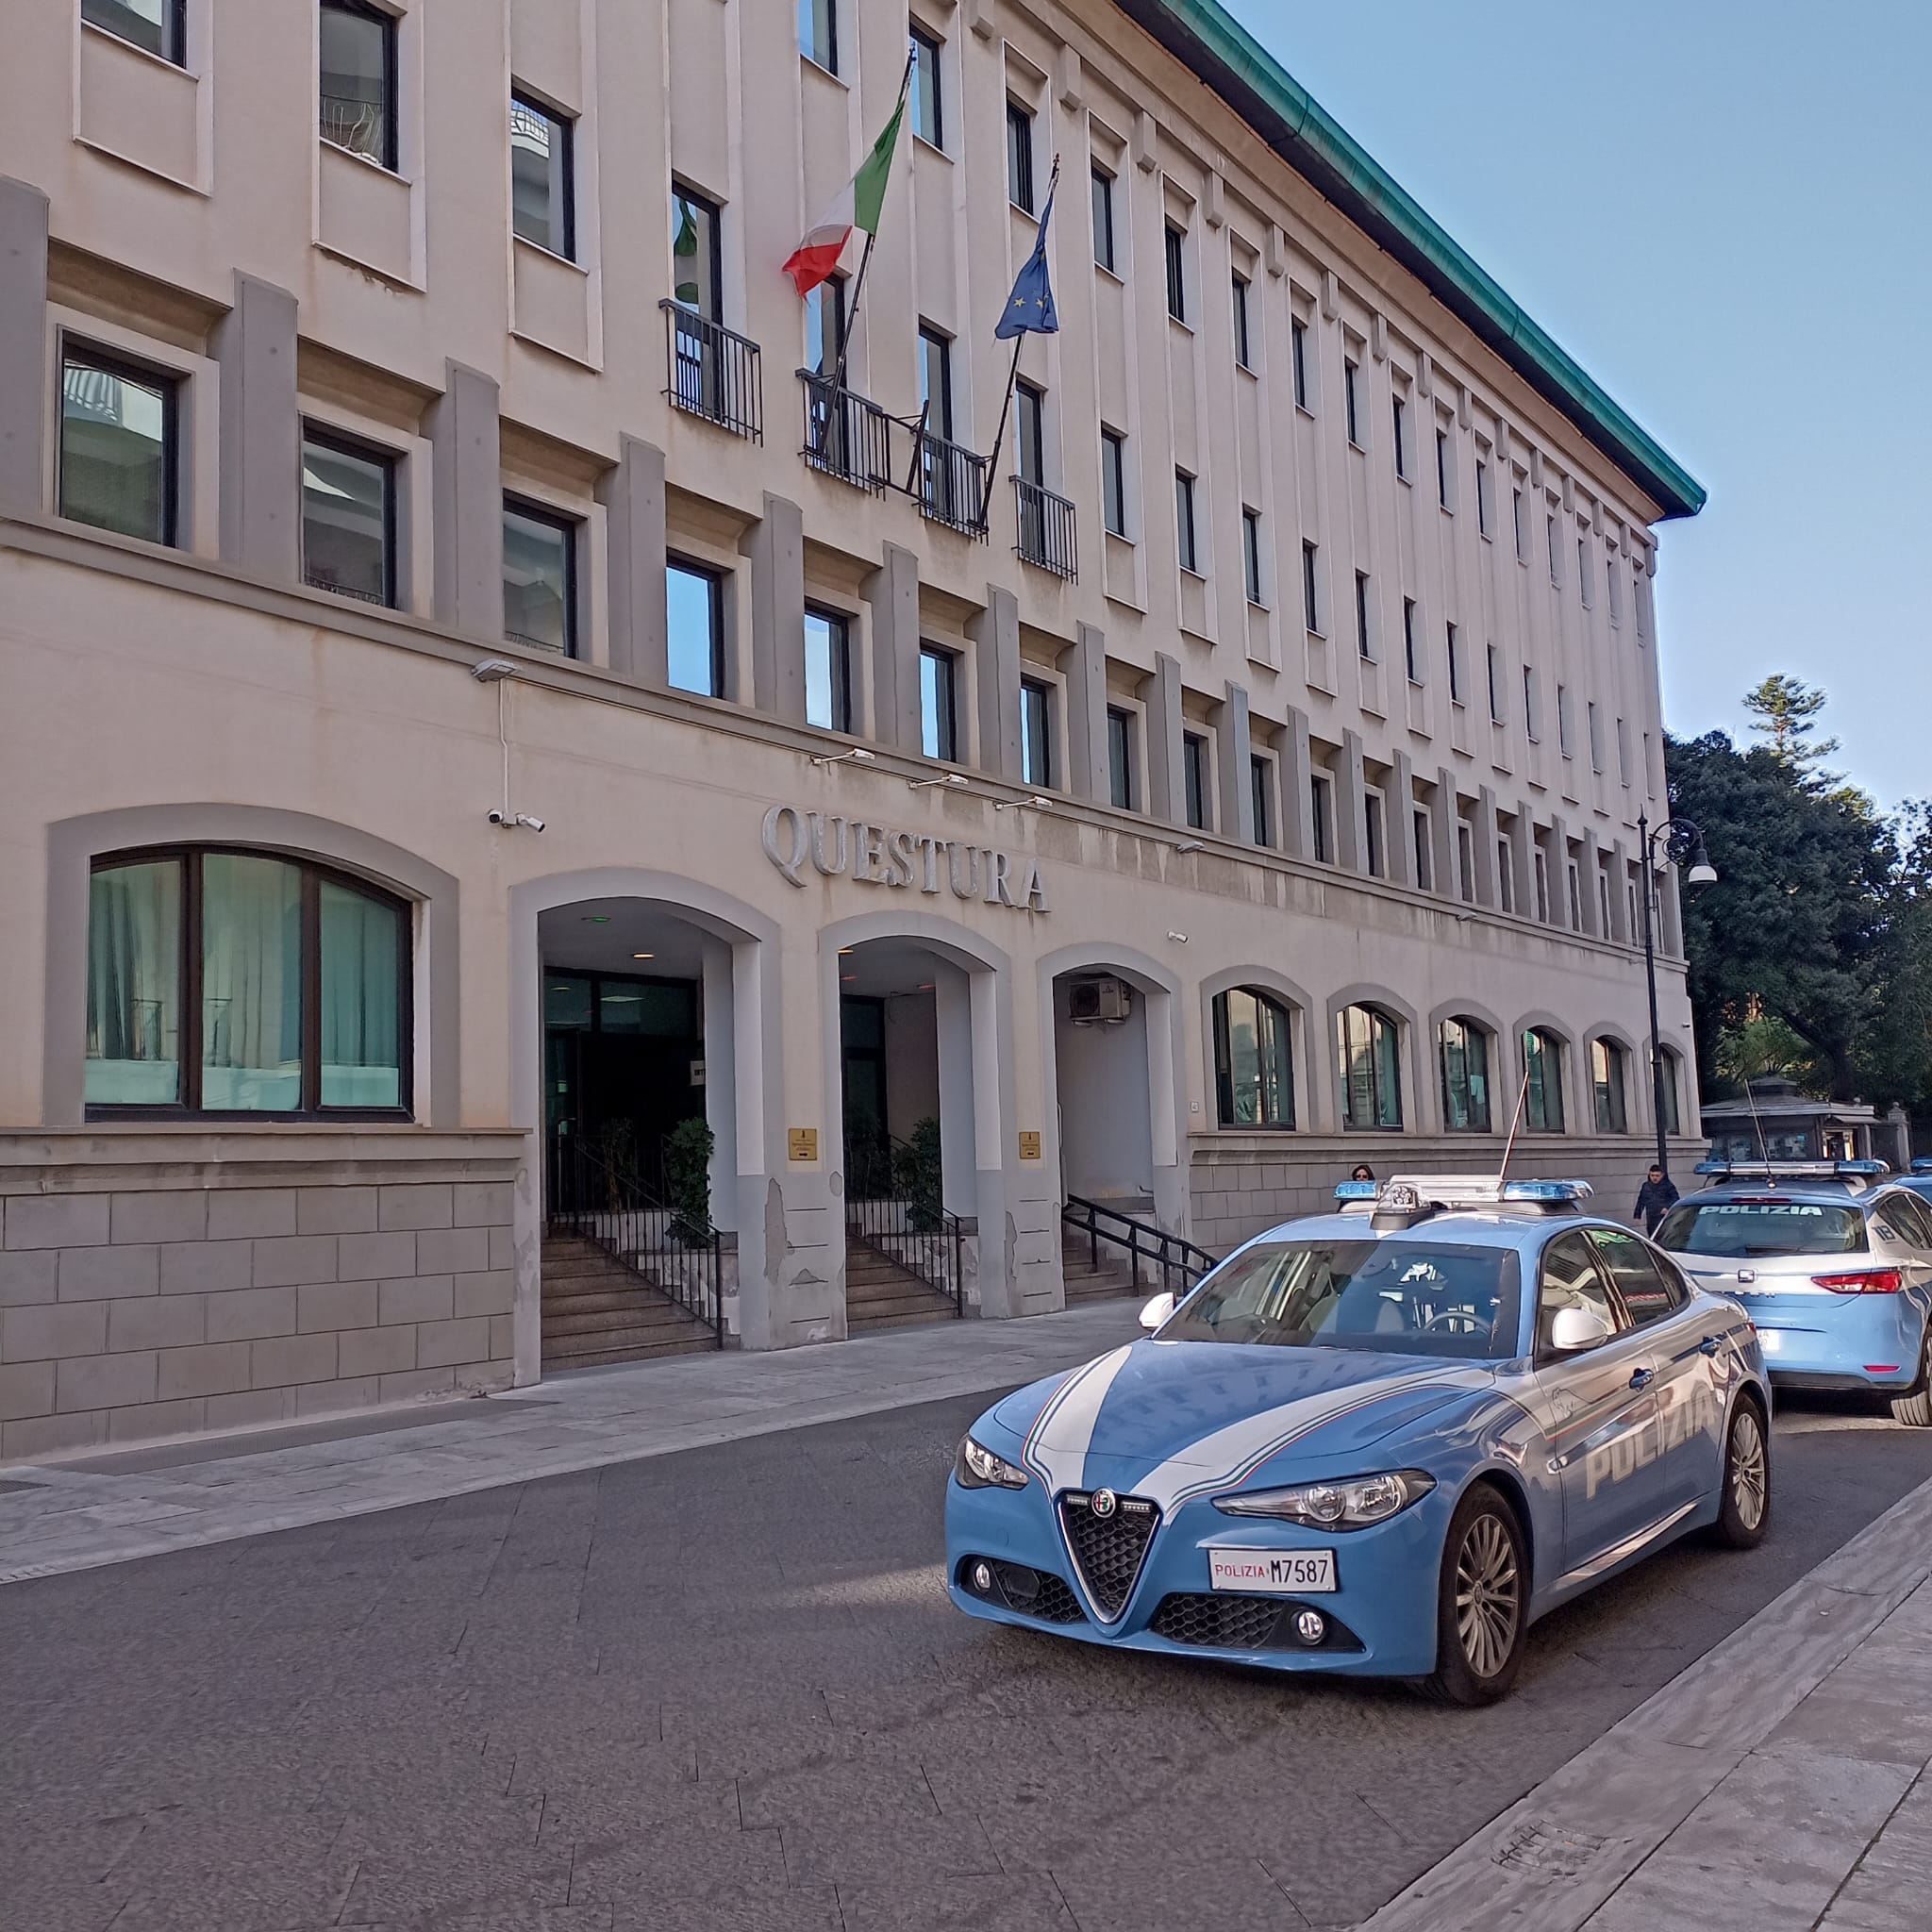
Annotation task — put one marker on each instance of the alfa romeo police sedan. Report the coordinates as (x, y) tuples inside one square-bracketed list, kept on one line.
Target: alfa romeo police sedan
[(1383, 1441)]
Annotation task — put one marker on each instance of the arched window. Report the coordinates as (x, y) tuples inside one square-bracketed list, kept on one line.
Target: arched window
[(1254, 1062), (1607, 1064), (1464, 1047), (226, 982), (1543, 1060), (1367, 1043)]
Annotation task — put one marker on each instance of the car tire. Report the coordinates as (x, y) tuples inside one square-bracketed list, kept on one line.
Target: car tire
[(1482, 1602), (1914, 1408), (1744, 1505)]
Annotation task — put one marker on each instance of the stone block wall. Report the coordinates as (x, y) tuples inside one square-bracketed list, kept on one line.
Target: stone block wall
[(159, 1298)]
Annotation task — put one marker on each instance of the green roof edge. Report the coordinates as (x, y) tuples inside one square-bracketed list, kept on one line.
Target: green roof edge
[(1214, 45)]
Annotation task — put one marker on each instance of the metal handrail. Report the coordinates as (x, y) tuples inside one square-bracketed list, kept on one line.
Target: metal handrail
[(910, 1227), (951, 484), (665, 1246), (846, 435), (1046, 529), (712, 371), (1180, 1263)]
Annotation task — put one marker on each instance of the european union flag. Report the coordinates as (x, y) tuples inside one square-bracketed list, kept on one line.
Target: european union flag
[(1029, 308)]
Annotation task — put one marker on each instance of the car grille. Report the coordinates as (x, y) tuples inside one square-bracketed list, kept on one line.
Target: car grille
[(1242, 1623), (1109, 1549), (1031, 1592)]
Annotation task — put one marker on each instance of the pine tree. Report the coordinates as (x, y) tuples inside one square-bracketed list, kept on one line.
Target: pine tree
[(1784, 710)]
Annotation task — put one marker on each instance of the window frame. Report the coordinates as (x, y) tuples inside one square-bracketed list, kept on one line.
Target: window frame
[(1036, 733), (823, 12), (1609, 1084), (189, 968), (571, 529), (1537, 1114), (1444, 496), (1621, 1322), (1113, 482), (928, 57), (109, 362), (1452, 638), (1174, 255), (946, 663), (174, 47), (711, 307), (1381, 1024), (1195, 780), (1363, 644), (1350, 400), (1311, 589), (932, 338), (1321, 817), (838, 666), (347, 444), (1251, 555), (1411, 662), (391, 91), (1120, 758), (566, 126), (1298, 359), (716, 578), (1473, 1033), (1100, 211), (1242, 346), (1492, 662), (1261, 799), (1021, 187), (1187, 541), (1398, 409), (1281, 1018)]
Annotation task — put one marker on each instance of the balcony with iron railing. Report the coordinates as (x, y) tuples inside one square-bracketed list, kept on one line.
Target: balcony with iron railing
[(846, 435), (952, 485), (712, 372), (1046, 529)]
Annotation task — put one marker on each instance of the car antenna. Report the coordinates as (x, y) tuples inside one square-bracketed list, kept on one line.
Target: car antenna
[(1509, 1145), (1757, 1124)]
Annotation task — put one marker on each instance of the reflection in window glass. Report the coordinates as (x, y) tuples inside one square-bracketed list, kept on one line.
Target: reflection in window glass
[(696, 274), (1607, 1079), (1371, 1069), (1542, 1058), (1194, 779), (539, 578), (695, 629), (566, 1000), (362, 946), (251, 983), (928, 104), (347, 519), (117, 438), (827, 671), (540, 176), (154, 25), (1253, 1060), (134, 985), (818, 32), (938, 704), (1120, 758), (359, 59), (1465, 1074), (1036, 732)]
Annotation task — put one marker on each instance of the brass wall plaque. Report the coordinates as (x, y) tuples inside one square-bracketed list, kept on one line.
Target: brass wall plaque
[(1029, 1146), (804, 1142)]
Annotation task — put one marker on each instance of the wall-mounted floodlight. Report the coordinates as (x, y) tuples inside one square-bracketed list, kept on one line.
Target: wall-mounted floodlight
[(857, 756)]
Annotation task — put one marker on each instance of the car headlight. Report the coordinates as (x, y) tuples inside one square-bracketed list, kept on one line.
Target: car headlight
[(978, 1468), (1354, 1502)]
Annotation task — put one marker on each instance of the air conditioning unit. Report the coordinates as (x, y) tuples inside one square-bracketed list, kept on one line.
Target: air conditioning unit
[(1103, 1000)]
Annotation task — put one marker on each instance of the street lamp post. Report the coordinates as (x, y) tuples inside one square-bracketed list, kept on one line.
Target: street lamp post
[(1681, 839)]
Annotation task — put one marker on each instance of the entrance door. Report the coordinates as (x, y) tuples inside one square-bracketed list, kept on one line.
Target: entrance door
[(862, 1041)]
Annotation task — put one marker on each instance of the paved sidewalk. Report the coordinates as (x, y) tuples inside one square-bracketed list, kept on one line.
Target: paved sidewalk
[(1783, 1781), (112, 1508)]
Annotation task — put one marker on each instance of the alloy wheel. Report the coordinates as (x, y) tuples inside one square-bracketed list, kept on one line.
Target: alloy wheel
[(1748, 1482), (1488, 1595)]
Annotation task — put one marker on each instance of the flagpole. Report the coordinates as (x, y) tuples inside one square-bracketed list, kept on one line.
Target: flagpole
[(993, 462), (865, 259)]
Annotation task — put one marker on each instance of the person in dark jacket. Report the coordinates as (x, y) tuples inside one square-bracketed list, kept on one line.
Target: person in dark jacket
[(1655, 1199)]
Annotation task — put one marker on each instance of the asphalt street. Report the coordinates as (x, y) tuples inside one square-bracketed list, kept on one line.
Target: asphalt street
[(724, 1688)]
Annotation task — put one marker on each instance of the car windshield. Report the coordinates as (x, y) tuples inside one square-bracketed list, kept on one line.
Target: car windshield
[(1741, 1229), (1399, 1297)]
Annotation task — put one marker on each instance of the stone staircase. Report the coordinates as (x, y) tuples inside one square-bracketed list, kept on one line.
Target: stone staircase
[(595, 1311), (879, 1293), (1087, 1281)]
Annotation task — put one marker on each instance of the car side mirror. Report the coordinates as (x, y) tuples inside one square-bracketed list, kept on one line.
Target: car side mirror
[(1156, 1311), (1576, 1329)]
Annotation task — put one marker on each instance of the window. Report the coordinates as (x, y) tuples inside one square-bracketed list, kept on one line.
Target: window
[(1532, 710), (828, 670), (818, 32), (541, 188), (1583, 573), (1671, 1116), (1556, 555), (1020, 156), (1520, 516), (1410, 647), (1177, 273), (242, 982), (1571, 1278), (929, 97), (1103, 221), (1113, 481), (1322, 815), (119, 439), (1465, 1051), (1376, 852), (1120, 758), (1253, 1064), (1030, 435), (1607, 1063), (1453, 638), (1298, 354), (1594, 719), (695, 628), (540, 576), (939, 676), (1401, 410), (1261, 798), (1563, 719), (1362, 643), (1184, 520), (348, 517), (1613, 579), (1251, 552), (1539, 867), (1505, 876), (1465, 862), (155, 26), (357, 80), (697, 266), (1575, 879), (1311, 610), (825, 327), (1543, 1062), (1603, 903), (1368, 1048), (1485, 500), (1036, 732), (1624, 751), (1241, 323), (1649, 1288), (1442, 470), (1425, 856), (1495, 666), (1194, 778), (1350, 387), (936, 380)]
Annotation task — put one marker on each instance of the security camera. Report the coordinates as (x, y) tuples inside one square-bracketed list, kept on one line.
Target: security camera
[(510, 820), (499, 818), (528, 823)]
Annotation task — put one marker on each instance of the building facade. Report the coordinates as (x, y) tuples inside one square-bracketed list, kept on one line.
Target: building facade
[(488, 673)]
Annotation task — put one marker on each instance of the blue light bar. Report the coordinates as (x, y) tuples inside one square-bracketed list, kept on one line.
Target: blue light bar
[(1355, 1191), (1799, 1170), (1546, 1191), (1921, 1167)]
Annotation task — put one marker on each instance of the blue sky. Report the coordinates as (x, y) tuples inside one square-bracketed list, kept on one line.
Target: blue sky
[(1721, 209)]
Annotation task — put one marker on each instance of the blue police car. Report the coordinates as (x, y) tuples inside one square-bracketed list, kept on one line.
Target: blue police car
[(1383, 1441)]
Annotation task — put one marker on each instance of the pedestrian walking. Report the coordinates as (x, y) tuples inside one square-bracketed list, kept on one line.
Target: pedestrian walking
[(1655, 1199)]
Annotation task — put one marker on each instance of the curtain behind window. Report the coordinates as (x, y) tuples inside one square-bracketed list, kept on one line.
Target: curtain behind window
[(134, 985), (362, 1000), (251, 990)]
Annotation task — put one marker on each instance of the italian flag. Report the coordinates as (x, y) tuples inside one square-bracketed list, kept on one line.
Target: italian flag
[(857, 206)]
